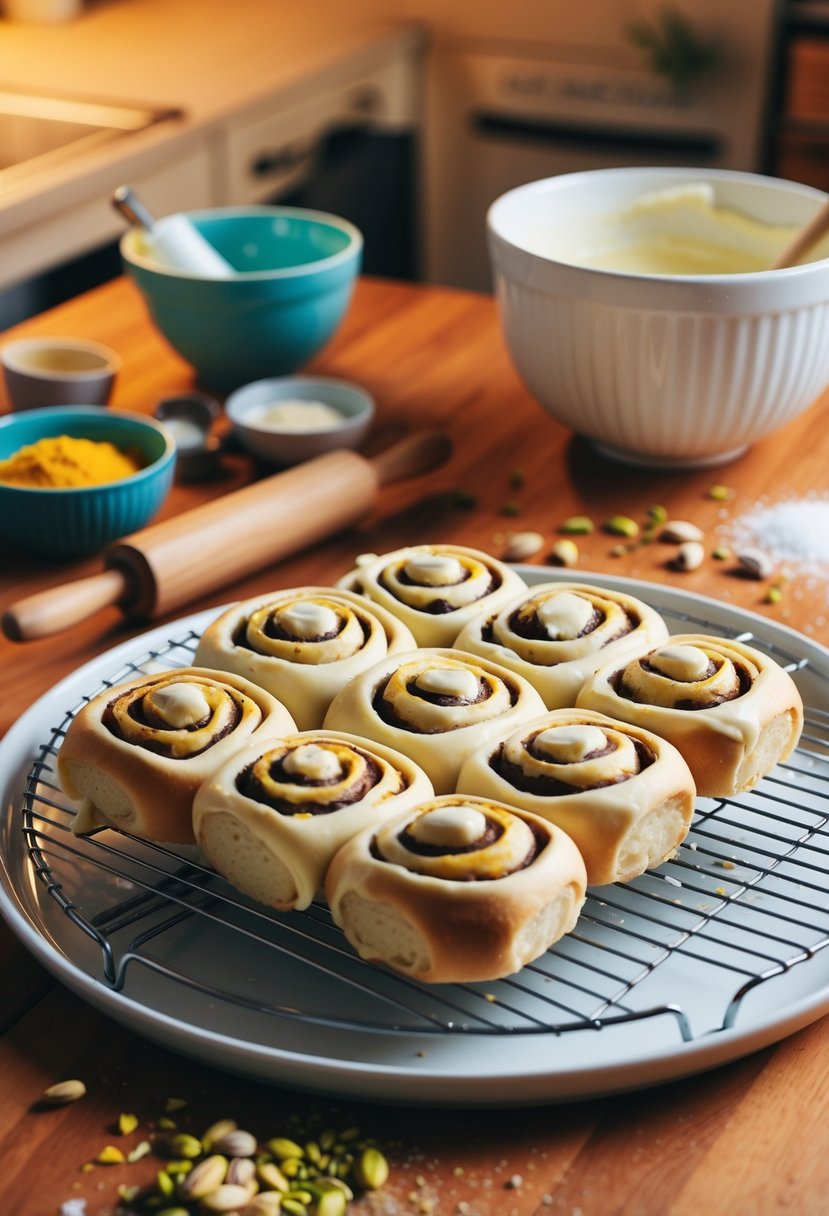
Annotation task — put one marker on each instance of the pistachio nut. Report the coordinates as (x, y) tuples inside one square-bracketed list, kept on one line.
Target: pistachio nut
[(577, 525), (205, 1177), (689, 556), (677, 531), (522, 545), (622, 525), (371, 1169), (226, 1198), (237, 1143), (241, 1170), (216, 1131), (266, 1203), (755, 563), (564, 553), (63, 1093)]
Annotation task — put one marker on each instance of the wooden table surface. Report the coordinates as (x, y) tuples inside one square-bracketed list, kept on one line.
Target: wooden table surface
[(749, 1137)]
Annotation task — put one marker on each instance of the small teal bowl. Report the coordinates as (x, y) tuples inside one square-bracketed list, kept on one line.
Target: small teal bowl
[(295, 271), (78, 521)]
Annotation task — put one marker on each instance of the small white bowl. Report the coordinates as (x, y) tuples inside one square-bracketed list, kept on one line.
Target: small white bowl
[(285, 421), (666, 370)]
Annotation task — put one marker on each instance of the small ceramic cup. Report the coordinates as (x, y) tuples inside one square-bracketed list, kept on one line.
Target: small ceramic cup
[(58, 371)]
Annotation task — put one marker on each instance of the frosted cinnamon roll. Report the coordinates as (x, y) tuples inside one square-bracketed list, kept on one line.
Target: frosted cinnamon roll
[(302, 645), (435, 705), (730, 709), (271, 818), (135, 755), (558, 634), (624, 795), (459, 889), (434, 589)]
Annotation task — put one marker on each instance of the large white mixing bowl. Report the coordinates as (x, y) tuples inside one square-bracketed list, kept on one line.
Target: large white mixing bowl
[(659, 369)]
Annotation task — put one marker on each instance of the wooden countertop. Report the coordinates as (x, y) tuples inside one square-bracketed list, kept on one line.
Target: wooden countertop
[(733, 1139)]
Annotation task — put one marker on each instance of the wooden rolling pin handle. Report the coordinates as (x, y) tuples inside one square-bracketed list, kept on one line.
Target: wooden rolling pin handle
[(168, 564), (44, 613)]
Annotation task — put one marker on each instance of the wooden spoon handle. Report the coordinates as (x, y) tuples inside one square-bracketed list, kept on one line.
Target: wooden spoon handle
[(817, 226), (57, 608)]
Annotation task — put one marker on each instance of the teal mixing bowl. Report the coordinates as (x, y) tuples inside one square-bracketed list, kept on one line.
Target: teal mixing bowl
[(78, 521), (294, 274)]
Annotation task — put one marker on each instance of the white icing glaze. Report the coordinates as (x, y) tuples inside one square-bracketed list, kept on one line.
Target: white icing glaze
[(570, 744), (433, 569), (564, 615), (456, 682), (686, 663), (314, 762), (307, 620), (453, 826), (181, 704)]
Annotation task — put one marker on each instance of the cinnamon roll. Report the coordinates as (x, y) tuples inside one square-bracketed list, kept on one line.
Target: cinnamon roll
[(558, 634), (625, 796), (272, 817), (434, 705), (302, 645), (458, 890), (730, 709), (434, 589), (134, 756)]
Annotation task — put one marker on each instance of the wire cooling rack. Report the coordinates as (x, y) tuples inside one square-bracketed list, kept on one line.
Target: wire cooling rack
[(744, 902)]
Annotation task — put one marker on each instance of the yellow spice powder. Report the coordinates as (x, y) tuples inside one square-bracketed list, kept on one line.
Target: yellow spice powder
[(62, 461)]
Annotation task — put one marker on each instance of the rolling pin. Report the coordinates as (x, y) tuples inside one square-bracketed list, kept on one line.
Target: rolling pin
[(161, 567)]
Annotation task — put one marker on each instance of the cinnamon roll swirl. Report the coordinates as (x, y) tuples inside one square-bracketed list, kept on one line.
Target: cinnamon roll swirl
[(730, 709), (434, 589), (435, 706), (459, 889), (624, 795), (272, 817), (134, 756), (557, 634), (302, 645)]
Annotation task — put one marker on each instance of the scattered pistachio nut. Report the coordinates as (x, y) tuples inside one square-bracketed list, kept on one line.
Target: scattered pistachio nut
[(266, 1203), (63, 1093), (270, 1175), (227, 1198), (755, 563), (203, 1178), (184, 1145), (689, 556), (721, 553), (577, 525), (127, 1123), (283, 1148), (241, 1171), (237, 1143), (110, 1155), (564, 553), (774, 595), (677, 531), (522, 545), (657, 515), (621, 525), (721, 493), (141, 1150), (331, 1203), (371, 1169), (216, 1131)]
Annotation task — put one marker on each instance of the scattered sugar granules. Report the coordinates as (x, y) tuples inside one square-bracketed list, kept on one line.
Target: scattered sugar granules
[(793, 532)]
